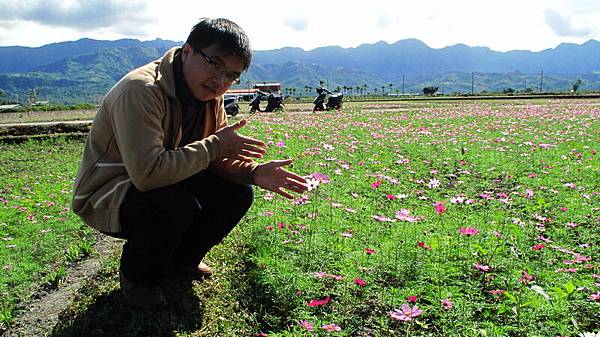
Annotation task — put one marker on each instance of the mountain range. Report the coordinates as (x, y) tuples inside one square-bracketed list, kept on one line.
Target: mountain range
[(83, 70)]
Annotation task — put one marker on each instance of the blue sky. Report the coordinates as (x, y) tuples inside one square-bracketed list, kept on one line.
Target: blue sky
[(500, 25)]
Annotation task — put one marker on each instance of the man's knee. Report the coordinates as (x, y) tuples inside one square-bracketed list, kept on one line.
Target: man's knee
[(166, 207)]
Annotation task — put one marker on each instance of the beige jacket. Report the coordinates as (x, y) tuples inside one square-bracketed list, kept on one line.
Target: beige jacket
[(134, 140)]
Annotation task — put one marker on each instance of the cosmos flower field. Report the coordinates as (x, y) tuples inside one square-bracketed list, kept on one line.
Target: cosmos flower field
[(427, 219), (476, 219)]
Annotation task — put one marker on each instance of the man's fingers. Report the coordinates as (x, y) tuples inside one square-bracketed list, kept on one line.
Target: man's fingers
[(281, 162), (254, 148), (282, 192), (253, 154), (238, 125), (252, 141), (295, 186)]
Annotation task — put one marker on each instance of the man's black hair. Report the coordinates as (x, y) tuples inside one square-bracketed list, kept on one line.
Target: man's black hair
[(229, 37)]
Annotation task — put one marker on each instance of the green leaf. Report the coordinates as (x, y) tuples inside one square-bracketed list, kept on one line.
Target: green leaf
[(569, 287), (480, 249)]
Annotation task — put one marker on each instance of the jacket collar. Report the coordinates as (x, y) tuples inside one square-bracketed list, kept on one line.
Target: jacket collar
[(166, 75)]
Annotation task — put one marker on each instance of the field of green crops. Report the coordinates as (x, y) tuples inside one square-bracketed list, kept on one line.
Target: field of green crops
[(462, 219)]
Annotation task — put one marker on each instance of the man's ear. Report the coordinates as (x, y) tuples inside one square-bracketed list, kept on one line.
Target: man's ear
[(186, 51)]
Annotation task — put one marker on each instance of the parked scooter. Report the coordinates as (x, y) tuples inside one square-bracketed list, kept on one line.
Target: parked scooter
[(255, 104), (274, 102), (231, 104), (333, 102)]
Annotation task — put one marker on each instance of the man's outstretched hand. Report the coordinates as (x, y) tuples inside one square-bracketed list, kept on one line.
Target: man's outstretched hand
[(273, 177), (236, 146)]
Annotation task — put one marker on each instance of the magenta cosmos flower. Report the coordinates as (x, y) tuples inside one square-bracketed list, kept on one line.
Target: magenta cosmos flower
[(331, 327), (318, 303), (469, 231), (406, 313)]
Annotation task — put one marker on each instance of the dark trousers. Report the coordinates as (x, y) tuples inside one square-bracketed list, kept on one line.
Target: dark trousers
[(178, 224)]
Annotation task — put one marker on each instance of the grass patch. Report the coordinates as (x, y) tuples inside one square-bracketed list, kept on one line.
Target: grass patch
[(36, 225)]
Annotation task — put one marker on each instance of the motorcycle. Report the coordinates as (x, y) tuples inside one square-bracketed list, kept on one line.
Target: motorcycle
[(334, 101), (274, 102)]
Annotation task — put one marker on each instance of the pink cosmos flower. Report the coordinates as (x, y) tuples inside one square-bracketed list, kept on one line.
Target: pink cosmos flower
[(406, 313), (321, 177), (360, 282), (369, 251), (331, 327), (439, 207), (383, 218), (595, 296), (261, 334), (321, 274), (318, 303), (481, 267), (497, 291), (526, 278), (529, 193), (404, 215), (412, 299), (306, 325), (539, 246), (303, 199), (391, 197), (280, 143), (447, 304), (376, 184), (469, 231), (433, 183), (459, 199)]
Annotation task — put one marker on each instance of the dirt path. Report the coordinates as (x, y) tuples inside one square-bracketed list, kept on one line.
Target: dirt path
[(42, 314)]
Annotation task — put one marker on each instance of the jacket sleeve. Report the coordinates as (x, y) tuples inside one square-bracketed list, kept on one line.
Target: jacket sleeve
[(137, 116), (237, 171)]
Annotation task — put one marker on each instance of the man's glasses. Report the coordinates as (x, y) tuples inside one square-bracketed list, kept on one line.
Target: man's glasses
[(219, 69)]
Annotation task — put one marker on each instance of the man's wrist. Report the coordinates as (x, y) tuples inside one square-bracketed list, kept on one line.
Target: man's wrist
[(253, 175)]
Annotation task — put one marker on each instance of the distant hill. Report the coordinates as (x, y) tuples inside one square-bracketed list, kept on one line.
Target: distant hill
[(83, 70), (413, 57), (24, 59)]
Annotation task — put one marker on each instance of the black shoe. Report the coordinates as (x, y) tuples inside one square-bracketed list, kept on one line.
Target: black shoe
[(141, 296)]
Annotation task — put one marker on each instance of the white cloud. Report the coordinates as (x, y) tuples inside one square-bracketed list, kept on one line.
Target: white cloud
[(562, 26), (84, 15), (501, 25)]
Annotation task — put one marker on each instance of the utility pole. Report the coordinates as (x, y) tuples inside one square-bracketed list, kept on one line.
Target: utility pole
[(542, 80), (402, 84), (472, 83)]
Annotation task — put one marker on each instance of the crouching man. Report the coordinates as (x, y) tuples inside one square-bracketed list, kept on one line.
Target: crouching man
[(162, 168)]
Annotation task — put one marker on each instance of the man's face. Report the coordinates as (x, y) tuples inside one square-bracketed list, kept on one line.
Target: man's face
[(209, 72)]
